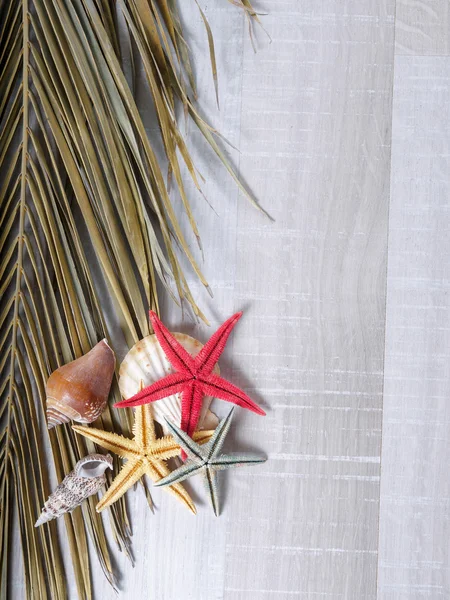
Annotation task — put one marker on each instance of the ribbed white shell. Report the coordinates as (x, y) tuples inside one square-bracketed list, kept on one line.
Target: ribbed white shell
[(147, 362)]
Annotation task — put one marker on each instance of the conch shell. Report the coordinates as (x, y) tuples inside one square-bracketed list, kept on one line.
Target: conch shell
[(86, 479), (79, 390), (145, 363)]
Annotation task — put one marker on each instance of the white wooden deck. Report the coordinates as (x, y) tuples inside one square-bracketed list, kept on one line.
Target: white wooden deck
[(343, 126)]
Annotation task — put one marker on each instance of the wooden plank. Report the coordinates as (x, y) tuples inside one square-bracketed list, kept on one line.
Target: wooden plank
[(422, 27), (311, 113), (316, 114), (415, 486), (313, 126)]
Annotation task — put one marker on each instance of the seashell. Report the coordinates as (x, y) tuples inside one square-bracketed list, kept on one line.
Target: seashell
[(79, 390), (86, 479), (146, 363)]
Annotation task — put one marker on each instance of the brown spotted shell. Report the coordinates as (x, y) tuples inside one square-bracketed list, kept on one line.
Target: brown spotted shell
[(79, 390), (147, 363), (86, 479)]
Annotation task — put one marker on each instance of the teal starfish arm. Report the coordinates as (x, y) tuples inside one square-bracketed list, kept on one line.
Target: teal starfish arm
[(226, 461), (213, 447), (189, 468), (193, 450), (210, 484), (205, 460)]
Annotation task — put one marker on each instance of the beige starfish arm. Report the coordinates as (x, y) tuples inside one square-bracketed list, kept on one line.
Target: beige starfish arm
[(110, 441), (128, 475), (166, 447), (144, 427), (157, 469)]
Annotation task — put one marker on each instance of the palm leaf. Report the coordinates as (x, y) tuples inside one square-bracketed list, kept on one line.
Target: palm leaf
[(84, 213)]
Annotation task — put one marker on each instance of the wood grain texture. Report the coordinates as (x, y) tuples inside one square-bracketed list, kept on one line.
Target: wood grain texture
[(316, 112), (415, 489), (422, 27), (311, 114)]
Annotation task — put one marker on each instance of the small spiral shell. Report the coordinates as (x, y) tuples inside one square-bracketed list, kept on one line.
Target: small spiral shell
[(86, 479), (79, 390)]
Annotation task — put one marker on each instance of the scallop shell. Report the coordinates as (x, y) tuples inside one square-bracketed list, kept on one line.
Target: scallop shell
[(147, 363), (86, 479), (79, 390)]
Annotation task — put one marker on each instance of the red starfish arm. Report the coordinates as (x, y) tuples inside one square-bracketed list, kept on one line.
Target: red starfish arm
[(191, 406), (224, 390), (174, 351), (211, 351), (171, 384)]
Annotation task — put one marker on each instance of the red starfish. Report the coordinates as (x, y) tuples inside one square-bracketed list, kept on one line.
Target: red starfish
[(194, 377)]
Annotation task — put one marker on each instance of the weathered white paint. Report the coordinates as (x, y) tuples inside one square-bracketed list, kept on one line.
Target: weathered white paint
[(311, 114), (422, 27), (415, 490)]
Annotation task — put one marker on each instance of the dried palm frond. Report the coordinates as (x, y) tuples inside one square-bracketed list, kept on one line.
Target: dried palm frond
[(84, 212)]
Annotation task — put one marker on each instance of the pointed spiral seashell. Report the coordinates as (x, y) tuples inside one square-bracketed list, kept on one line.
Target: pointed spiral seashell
[(79, 390), (145, 363), (86, 479)]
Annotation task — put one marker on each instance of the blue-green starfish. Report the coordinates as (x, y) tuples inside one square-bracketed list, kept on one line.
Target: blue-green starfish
[(206, 460)]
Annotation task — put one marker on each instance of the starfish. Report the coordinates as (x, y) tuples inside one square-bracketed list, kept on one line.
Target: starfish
[(194, 377), (206, 460), (145, 454)]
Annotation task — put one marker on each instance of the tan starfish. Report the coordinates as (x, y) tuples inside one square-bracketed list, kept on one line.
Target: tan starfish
[(145, 454)]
